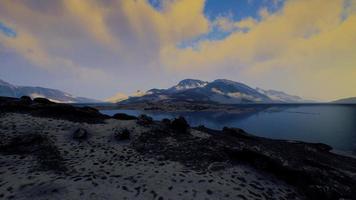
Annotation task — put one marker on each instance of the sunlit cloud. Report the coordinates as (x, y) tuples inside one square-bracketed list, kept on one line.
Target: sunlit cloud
[(292, 45), (304, 37)]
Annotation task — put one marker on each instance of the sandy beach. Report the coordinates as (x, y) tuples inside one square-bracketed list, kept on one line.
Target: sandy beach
[(104, 168)]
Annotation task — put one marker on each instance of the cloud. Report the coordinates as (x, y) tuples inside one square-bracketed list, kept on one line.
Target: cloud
[(91, 15), (103, 40), (296, 48), (305, 37), (227, 24), (28, 46)]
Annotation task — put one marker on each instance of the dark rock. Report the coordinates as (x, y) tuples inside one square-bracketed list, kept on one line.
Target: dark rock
[(237, 132), (69, 112), (80, 134), (26, 100), (200, 127), (89, 109), (4, 100), (166, 122), (44, 108), (123, 134), (144, 120), (123, 116), (45, 151), (9, 104), (322, 147), (43, 101), (180, 125)]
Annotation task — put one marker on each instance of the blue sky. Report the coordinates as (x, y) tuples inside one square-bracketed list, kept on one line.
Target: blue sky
[(239, 8), (235, 10), (7, 30)]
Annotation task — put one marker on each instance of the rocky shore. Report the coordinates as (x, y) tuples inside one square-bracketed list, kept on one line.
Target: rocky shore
[(57, 151), (187, 106)]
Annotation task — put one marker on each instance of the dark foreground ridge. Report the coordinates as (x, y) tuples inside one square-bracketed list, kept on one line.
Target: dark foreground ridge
[(42, 107), (312, 169)]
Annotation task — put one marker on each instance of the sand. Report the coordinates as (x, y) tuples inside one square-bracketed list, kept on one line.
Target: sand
[(101, 167)]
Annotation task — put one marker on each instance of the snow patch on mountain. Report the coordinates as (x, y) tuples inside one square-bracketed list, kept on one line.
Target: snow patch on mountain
[(188, 84)]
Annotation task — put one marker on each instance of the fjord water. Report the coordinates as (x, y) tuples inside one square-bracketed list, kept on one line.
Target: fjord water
[(330, 124)]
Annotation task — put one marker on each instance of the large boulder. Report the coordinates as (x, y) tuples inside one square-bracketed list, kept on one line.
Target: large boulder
[(123, 116), (80, 134), (26, 100), (123, 134), (180, 125), (144, 120), (43, 101), (166, 122)]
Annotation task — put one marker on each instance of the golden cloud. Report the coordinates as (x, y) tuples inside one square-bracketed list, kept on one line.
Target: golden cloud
[(309, 40), (305, 37)]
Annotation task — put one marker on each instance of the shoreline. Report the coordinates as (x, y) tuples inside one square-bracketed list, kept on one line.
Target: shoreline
[(65, 148)]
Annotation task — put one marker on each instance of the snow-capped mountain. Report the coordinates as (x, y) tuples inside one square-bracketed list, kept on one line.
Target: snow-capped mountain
[(9, 90), (219, 91), (187, 84)]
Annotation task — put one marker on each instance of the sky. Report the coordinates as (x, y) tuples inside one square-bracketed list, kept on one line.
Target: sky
[(96, 48)]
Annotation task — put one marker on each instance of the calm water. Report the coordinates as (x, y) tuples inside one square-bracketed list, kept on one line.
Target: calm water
[(331, 124)]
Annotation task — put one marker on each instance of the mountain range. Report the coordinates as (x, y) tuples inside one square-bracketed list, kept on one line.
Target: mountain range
[(221, 91), (9, 90), (351, 100)]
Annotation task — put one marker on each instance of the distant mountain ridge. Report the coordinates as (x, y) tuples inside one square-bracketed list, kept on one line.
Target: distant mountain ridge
[(281, 96), (351, 100), (9, 90), (218, 91)]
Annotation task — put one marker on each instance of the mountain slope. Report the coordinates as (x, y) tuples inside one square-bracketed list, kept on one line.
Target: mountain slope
[(351, 100), (117, 98), (219, 91), (279, 96), (9, 90)]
